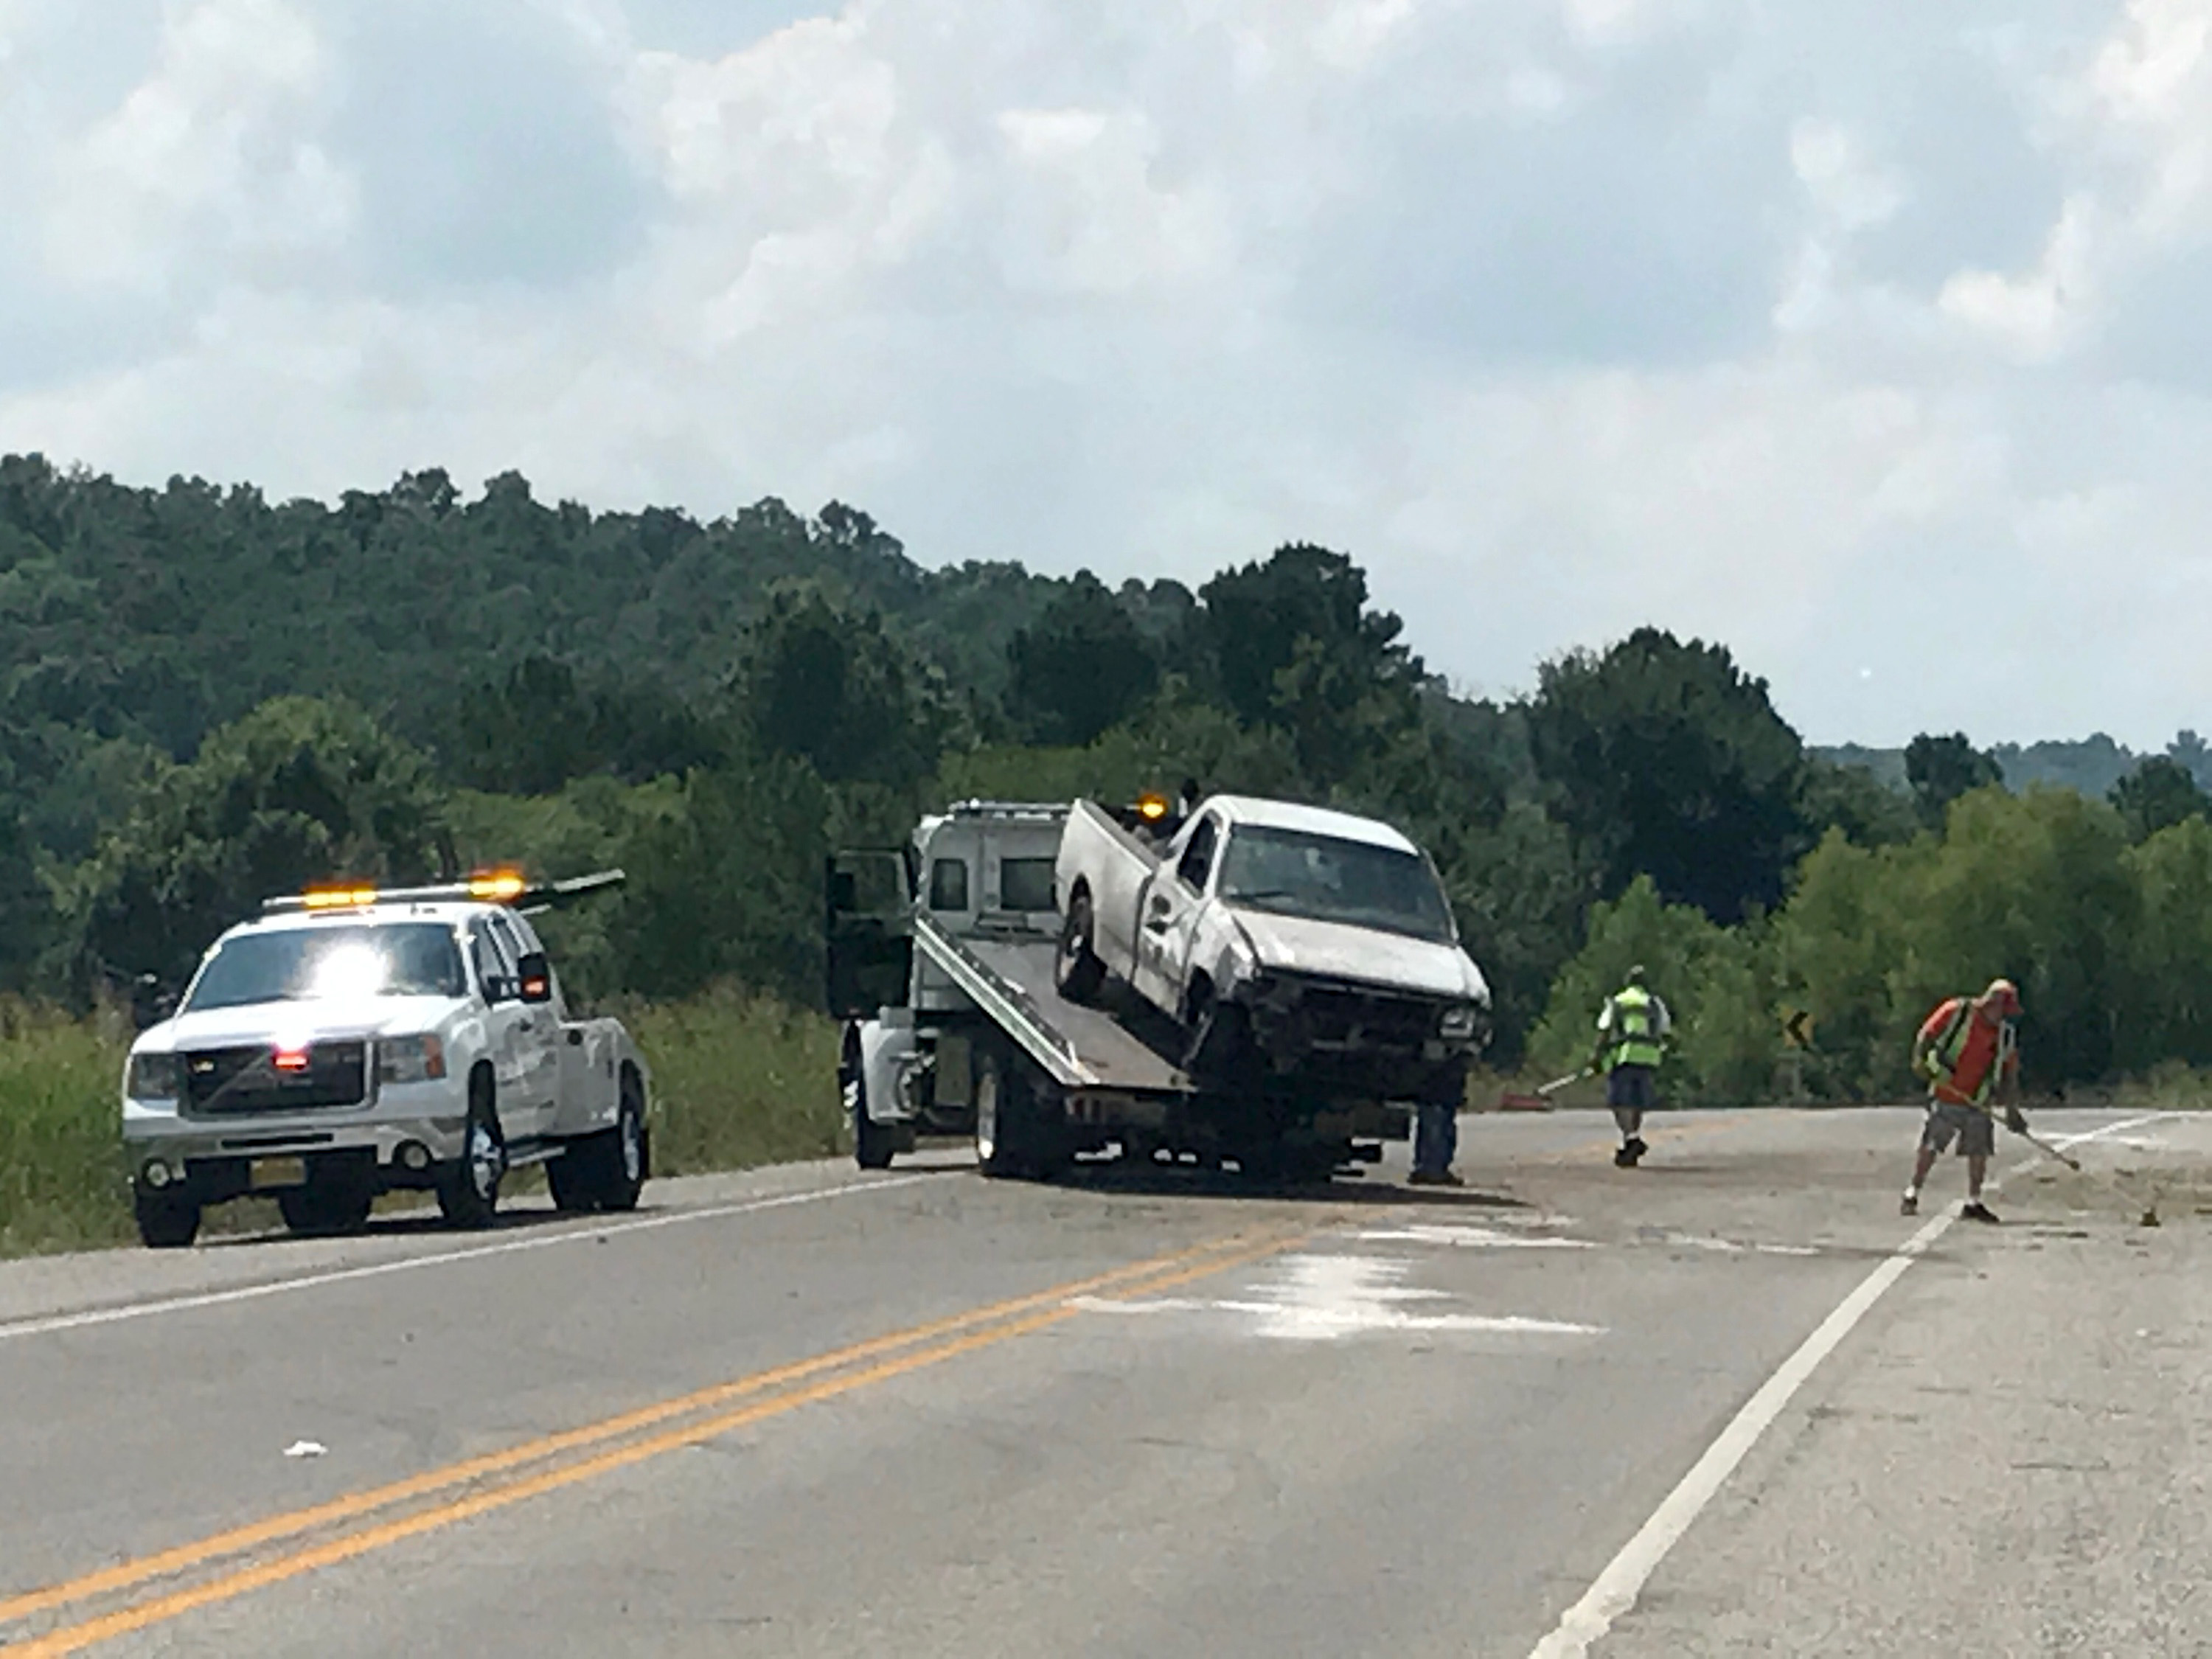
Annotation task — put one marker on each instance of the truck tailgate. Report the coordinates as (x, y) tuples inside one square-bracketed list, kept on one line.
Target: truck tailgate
[(1114, 866)]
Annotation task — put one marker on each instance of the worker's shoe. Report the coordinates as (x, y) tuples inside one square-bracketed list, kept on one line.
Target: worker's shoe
[(1434, 1178), (1909, 1204), (1631, 1150), (1977, 1211)]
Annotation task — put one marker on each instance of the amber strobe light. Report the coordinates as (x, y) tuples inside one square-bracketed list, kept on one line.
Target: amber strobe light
[(496, 886), (1152, 808)]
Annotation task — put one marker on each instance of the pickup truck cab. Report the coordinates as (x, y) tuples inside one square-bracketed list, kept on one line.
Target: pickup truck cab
[(351, 1043), (1295, 945)]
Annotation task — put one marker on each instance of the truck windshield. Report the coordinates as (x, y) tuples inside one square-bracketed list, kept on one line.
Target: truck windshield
[(402, 959), (1325, 878)]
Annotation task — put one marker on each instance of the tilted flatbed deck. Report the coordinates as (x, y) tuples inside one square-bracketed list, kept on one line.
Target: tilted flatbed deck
[(1081, 1047)]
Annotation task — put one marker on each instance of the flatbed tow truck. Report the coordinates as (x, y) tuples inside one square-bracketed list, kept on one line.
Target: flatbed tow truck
[(941, 961)]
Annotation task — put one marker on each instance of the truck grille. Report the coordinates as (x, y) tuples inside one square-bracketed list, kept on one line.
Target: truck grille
[(238, 1082), (1336, 1017)]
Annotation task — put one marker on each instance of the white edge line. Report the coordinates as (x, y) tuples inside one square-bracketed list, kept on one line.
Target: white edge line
[(76, 1322), (1614, 1591)]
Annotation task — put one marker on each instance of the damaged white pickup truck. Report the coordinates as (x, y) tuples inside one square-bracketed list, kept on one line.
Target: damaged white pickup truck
[(1293, 944)]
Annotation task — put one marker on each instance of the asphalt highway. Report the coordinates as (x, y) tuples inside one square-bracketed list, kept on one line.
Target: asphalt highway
[(1729, 1403)]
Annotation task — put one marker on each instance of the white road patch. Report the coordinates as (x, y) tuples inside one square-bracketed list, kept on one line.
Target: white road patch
[(1734, 1247), (1328, 1298), (1615, 1591), (306, 1449), (1467, 1238)]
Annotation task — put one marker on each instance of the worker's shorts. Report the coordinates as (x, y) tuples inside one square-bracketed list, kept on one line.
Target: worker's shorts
[(1971, 1127), (1632, 1086)]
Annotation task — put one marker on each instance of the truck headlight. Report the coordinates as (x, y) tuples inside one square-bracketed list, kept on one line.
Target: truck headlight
[(410, 1060), (153, 1077), (1459, 1023)]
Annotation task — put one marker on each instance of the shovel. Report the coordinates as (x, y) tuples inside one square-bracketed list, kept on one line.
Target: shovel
[(1541, 1100)]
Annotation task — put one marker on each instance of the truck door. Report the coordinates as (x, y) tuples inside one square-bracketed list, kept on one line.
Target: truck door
[(1169, 914), (538, 1027), (514, 1070), (867, 897)]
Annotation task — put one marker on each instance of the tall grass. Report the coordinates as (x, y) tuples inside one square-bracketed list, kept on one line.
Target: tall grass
[(738, 1080), (63, 1181)]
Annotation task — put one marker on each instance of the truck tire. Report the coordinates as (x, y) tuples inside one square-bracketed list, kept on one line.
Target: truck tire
[(1223, 1054), (167, 1221), (873, 1143), (1077, 970), (1012, 1140), (606, 1170), (468, 1187), (326, 1208)]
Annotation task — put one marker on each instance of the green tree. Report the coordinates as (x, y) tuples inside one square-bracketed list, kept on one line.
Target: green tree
[(1665, 759), (726, 884), (543, 726), (2170, 1016), (821, 683), (1846, 942), (1853, 800), (1940, 769), (2157, 795), (1082, 667), (298, 791), (1292, 643)]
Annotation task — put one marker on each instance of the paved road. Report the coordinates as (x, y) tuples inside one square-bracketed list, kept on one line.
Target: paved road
[(1728, 1403)]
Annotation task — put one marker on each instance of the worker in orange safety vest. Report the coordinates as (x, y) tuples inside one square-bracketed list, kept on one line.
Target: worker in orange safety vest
[(1968, 1053)]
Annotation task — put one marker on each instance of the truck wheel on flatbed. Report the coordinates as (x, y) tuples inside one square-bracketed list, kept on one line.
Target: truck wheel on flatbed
[(468, 1188), (1222, 1053), (167, 1221), (606, 1170), (328, 1207), (873, 1143), (1077, 970), (1012, 1140)]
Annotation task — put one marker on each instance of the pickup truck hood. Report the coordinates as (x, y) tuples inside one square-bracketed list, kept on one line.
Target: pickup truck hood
[(297, 1021), (1332, 950)]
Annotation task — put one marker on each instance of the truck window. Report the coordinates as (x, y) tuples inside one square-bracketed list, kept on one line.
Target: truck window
[(1197, 855), (1025, 884), (415, 958), (948, 885), (495, 971), (510, 939)]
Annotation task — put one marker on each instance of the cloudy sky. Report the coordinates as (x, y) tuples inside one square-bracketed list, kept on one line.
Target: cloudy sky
[(1875, 340)]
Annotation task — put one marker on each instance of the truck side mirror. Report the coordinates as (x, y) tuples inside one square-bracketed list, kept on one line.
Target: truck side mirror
[(536, 975)]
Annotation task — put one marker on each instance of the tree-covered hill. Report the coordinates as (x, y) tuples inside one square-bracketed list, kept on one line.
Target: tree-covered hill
[(205, 696)]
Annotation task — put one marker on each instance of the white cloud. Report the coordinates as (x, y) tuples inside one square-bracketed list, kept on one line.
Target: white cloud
[(206, 149), (1562, 315)]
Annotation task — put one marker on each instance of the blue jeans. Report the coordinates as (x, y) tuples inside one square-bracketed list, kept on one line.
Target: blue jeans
[(1435, 1137)]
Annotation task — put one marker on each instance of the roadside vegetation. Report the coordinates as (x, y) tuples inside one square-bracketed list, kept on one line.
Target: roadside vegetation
[(208, 697)]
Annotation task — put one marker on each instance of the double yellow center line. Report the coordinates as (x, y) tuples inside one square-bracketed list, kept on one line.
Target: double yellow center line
[(153, 1589)]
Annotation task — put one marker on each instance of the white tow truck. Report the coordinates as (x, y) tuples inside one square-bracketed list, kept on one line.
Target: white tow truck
[(948, 962), (353, 1040)]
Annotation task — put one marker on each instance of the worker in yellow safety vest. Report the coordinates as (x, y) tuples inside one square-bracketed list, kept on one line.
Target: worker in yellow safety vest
[(1632, 1040)]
